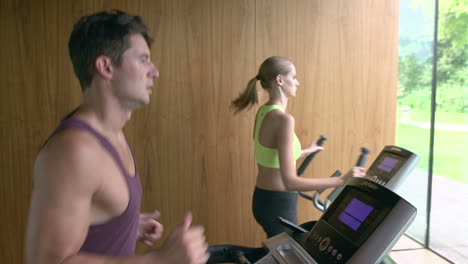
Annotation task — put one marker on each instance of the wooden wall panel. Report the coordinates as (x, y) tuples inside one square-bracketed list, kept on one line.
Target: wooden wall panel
[(193, 153), (197, 154), (30, 71)]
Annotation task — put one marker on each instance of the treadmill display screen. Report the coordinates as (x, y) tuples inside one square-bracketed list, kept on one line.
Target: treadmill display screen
[(388, 164), (355, 213)]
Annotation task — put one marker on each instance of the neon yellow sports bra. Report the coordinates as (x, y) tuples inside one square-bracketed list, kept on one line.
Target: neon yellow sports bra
[(268, 157)]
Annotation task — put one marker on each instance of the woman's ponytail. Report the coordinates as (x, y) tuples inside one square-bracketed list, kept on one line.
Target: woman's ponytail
[(247, 98)]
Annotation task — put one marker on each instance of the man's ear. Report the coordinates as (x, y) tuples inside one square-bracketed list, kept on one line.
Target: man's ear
[(104, 67)]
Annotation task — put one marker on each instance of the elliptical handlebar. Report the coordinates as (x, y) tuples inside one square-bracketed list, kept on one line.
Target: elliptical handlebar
[(363, 157), (309, 158), (316, 198), (318, 203), (360, 163)]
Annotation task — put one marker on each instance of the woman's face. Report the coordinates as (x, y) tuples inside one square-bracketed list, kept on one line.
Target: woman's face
[(290, 82)]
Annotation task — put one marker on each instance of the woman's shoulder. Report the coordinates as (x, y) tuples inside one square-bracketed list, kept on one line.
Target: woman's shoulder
[(281, 118)]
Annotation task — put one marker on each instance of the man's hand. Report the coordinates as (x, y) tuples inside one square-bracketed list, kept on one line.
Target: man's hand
[(187, 244), (149, 230)]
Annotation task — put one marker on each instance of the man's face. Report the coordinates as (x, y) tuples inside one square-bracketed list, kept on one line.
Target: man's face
[(133, 79)]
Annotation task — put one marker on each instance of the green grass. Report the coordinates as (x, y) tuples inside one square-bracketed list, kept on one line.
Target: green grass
[(450, 148)]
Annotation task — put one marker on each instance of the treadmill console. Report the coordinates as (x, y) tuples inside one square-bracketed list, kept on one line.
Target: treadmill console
[(362, 214), (363, 222), (392, 166)]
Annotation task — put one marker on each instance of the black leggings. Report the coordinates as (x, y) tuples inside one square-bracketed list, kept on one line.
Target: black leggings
[(268, 205)]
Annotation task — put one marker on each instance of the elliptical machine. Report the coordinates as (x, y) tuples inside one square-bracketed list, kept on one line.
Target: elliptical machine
[(361, 222)]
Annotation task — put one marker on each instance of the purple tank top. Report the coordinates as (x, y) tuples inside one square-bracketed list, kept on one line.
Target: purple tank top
[(117, 236)]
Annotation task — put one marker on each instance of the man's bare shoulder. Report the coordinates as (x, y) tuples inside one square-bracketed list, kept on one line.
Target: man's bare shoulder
[(70, 157), (65, 182)]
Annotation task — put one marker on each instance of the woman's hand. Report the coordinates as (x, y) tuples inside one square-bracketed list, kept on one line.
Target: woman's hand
[(311, 149), (354, 172), (359, 172)]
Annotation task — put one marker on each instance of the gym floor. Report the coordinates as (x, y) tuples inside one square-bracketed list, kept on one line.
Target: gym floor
[(407, 251)]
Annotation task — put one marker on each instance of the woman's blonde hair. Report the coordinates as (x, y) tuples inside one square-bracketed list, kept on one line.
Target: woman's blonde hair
[(270, 68)]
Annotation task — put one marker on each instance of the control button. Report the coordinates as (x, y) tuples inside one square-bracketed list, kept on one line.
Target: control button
[(324, 244), (330, 248), (334, 252), (339, 256)]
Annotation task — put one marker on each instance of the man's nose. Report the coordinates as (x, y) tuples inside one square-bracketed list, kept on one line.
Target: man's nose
[(154, 72)]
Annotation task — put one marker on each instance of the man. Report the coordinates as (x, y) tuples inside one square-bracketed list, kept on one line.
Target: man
[(85, 206)]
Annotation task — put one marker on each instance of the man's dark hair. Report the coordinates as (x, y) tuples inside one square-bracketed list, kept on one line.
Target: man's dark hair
[(104, 33)]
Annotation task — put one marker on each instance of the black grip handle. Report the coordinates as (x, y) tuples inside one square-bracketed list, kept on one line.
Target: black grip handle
[(309, 158), (363, 157), (321, 140), (241, 257)]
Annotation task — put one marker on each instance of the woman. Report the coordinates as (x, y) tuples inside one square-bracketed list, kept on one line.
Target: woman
[(277, 147)]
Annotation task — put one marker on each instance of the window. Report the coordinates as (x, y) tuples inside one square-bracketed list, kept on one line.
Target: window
[(433, 121)]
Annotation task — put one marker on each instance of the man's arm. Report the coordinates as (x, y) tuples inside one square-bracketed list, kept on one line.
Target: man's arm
[(64, 184), (65, 179)]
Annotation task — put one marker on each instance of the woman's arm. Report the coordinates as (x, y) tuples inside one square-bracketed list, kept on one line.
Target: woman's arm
[(292, 182)]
